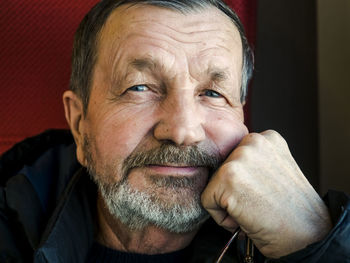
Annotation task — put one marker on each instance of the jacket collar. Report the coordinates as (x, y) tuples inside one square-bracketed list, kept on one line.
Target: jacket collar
[(70, 231)]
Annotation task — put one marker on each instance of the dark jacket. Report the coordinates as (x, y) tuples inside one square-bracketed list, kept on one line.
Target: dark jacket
[(47, 211)]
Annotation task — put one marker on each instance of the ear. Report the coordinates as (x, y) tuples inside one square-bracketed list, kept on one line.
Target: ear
[(73, 108)]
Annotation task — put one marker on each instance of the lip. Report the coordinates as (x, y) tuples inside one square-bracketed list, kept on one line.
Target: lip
[(174, 170)]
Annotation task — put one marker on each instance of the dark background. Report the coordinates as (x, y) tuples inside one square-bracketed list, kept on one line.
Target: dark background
[(284, 91), (295, 53)]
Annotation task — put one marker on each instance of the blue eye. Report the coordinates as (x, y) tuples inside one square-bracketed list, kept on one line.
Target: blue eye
[(138, 88), (213, 94)]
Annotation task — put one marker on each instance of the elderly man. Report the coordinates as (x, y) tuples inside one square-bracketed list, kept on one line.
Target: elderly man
[(156, 112)]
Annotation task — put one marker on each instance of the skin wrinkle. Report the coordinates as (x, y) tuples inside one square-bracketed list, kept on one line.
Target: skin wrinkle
[(191, 33), (164, 92), (236, 80), (154, 68), (120, 75), (160, 37), (115, 71), (146, 67), (149, 65)]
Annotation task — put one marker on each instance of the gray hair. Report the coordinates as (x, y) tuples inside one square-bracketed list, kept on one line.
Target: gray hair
[(86, 40)]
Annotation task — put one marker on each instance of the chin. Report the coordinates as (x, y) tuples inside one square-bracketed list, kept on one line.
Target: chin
[(174, 209)]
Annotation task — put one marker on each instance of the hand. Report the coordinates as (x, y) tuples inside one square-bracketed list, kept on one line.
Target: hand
[(261, 189)]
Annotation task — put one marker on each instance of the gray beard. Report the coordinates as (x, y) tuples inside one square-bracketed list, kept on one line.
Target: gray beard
[(171, 203), (139, 209)]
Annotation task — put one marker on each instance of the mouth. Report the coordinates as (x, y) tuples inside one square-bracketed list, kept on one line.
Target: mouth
[(171, 176), (174, 169)]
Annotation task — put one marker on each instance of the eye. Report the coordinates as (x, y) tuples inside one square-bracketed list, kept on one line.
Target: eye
[(138, 88), (212, 93)]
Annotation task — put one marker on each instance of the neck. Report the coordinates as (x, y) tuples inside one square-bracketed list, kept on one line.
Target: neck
[(150, 240)]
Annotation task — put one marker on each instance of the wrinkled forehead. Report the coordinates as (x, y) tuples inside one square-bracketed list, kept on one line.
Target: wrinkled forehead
[(127, 19), (180, 44)]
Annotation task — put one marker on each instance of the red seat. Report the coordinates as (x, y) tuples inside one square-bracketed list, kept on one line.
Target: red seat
[(35, 50)]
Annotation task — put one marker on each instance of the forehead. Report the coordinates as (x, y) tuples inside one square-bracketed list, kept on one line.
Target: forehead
[(146, 30), (123, 16)]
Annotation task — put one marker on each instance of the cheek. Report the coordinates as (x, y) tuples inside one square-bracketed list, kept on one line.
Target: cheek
[(226, 132), (117, 135)]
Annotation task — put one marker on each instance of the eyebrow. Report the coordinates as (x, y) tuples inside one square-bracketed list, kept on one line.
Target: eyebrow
[(217, 74), (142, 64)]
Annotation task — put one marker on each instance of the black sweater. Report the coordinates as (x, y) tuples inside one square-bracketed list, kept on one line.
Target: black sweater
[(99, 253)]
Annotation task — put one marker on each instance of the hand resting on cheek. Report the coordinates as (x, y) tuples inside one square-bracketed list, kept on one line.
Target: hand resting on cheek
[(261, 189)]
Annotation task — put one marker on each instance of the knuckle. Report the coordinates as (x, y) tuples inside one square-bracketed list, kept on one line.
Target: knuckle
[(252, 143), (273, 136), (231, 173), (253, 136), (240, 152), (229, 169), (255, 139)]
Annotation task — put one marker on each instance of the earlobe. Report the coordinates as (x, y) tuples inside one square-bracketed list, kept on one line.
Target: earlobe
[(73, 109)]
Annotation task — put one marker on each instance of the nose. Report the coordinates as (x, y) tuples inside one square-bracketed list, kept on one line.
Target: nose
[(181, 120)]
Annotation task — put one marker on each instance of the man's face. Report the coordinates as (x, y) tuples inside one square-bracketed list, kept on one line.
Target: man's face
[(164, 109)]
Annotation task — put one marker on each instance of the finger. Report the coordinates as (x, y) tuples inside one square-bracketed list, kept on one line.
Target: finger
[(214, 200), (223, 219)]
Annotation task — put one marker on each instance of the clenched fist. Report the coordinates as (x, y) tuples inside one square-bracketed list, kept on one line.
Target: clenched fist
[(261, 189)]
